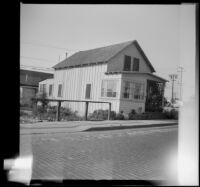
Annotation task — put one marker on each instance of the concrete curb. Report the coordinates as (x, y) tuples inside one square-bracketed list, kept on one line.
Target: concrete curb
[(129, 127), (90, 129)]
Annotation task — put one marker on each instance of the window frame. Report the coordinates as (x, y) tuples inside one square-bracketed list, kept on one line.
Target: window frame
[(90, 95), (51, 85), (137, 66), (105, 89), (132, 89), (125, 65), (61, 91), (42, 88)]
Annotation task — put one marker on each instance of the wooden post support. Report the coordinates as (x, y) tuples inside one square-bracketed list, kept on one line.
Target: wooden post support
[(163, 88), (109, 111), (86, 110), (58, 111)]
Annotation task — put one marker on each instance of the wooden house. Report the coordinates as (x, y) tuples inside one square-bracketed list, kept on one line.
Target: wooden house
[(120, 74), (29, 83)]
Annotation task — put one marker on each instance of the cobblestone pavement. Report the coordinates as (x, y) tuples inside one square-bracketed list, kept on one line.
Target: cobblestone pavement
[(121, 154)]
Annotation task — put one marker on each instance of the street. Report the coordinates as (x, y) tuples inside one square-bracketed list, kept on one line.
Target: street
[(116, 154)]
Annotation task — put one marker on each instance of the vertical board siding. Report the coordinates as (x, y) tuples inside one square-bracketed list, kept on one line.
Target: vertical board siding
[(74, 85)]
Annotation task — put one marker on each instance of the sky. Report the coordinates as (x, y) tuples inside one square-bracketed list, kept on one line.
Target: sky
[(166, 33)]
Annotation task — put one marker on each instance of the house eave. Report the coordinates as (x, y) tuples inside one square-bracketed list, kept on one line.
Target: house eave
[(81, 65), (135, 73)]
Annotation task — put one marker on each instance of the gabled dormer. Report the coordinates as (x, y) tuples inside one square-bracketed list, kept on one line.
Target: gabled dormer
[(131, 59)]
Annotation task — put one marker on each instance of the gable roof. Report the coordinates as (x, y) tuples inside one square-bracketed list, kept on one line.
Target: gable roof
[(99, 55), (32, 78)]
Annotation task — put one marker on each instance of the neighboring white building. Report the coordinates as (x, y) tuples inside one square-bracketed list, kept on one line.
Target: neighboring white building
[(118, 73)]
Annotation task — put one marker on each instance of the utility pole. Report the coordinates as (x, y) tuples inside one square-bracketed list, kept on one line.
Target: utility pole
[(173, 77), (180, 69)]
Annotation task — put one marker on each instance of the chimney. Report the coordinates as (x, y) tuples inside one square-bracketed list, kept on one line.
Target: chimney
[(66, 54)]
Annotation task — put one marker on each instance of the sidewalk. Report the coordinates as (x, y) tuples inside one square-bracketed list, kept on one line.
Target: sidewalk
[(80, 126)]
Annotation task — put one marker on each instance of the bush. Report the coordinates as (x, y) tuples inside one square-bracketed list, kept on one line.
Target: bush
[(101, 115), (172, 114), (49, 113), (72, 117), (120, 116), (131, 114)]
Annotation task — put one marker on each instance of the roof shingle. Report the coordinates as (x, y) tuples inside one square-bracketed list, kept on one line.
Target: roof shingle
[(98, 55)]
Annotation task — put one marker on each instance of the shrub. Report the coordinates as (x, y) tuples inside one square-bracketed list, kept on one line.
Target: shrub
[(72, 117), (65, 112), (172, 114), (101, 115), (131, 114), (120, 116)]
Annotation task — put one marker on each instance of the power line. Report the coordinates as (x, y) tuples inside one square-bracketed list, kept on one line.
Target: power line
[(36, 67), (173, 77), (39, 59), (48, 46)]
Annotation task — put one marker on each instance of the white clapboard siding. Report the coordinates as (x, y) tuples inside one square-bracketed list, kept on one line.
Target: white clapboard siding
[(74, 82)]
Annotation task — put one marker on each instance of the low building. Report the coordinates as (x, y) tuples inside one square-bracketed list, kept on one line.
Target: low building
[(120, 74), (29, 83)]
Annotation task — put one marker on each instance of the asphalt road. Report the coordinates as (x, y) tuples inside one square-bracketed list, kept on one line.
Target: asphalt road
[(144, 154)]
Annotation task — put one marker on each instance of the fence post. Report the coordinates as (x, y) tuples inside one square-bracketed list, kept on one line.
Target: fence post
[(109, 111), (86, 110), (58, 111)]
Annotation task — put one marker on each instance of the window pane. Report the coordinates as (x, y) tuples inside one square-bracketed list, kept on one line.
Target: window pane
[(60, 90), (88, 90), (135, 64), (50, 89), (126, 89), (139, 91), (109, 94), (114, 94), (108, 88), (127, 63)]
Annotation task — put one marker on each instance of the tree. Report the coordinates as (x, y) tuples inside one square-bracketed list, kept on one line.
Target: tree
[(154, 96)]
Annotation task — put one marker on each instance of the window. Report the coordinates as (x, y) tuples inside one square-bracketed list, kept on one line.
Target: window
[(109, 88), (126, 93), (127, 63), (135, 64), (132, 90), (60, 90), (139, 91), (42, 88), (88, 91), (50, 89)]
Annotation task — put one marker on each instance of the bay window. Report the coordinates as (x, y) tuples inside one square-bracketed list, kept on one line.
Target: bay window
[(133, 90)]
